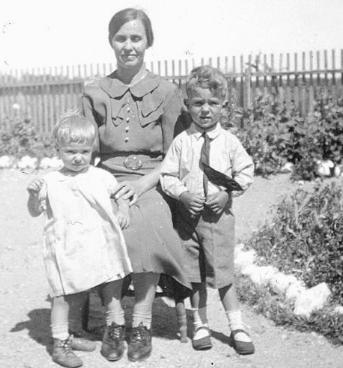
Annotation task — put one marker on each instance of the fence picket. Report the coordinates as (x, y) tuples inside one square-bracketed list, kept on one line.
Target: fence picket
[(44, 94)]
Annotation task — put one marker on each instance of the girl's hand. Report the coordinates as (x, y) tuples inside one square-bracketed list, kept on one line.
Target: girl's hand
[(123, 219), (35, 186), (217, 202), (194, 203)]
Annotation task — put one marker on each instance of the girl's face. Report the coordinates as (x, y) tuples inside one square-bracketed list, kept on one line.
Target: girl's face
[(129, 44), (76, 157)]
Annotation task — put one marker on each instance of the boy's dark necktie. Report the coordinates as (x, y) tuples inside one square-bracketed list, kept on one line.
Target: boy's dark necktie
[(205, 160), (216, 177)]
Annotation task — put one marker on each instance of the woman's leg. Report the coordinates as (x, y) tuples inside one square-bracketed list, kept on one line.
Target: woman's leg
[(140, 339), (112, 347), (145, 288)]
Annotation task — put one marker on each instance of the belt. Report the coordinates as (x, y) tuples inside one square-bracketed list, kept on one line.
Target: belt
[(134, 161)]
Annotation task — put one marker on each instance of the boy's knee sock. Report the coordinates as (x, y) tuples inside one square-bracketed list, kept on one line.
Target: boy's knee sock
[(198, 321), (235, 323)]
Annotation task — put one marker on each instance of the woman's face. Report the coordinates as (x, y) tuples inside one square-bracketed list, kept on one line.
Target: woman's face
[(129, 44)]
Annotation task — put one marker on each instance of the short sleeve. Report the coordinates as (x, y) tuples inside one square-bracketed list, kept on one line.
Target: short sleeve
[(172, 111), (108, 180)]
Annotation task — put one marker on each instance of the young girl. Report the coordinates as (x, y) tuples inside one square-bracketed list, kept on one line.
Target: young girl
[(83, 242)]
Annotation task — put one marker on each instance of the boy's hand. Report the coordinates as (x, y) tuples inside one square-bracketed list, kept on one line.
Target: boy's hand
[(35, 186), (217, 202), (194, 203)]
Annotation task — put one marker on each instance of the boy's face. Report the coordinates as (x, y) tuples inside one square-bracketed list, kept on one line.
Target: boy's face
[(205, 107), (76, 156)]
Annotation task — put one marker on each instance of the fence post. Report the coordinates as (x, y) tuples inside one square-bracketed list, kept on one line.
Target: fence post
[(247, 89)]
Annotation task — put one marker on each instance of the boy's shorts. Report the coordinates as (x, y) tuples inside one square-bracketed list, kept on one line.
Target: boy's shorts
[(209, 241)]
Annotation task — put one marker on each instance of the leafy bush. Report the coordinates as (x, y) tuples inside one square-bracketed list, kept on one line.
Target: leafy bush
[(22, 140), (273, 133), (305, 237)]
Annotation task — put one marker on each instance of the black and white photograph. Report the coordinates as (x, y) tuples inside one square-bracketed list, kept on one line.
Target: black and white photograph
[(171, 178)]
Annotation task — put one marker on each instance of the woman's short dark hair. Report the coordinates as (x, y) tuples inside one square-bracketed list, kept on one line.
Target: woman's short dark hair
[(127, 15)]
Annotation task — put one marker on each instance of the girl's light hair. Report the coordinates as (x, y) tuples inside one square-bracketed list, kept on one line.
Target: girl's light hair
[(74, 128)]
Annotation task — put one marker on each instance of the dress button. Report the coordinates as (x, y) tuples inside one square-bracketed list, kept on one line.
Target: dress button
[(127, 129), (126, 139), (128, 109), (127, 119)]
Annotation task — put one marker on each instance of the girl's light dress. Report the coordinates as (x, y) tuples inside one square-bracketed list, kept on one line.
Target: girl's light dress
[(83, 243)]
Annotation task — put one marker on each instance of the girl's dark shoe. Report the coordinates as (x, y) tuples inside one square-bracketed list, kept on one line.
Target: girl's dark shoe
[(63, 355), (140, 343), (112, 347)]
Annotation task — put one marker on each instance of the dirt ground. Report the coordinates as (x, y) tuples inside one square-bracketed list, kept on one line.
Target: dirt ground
[(24, 307)]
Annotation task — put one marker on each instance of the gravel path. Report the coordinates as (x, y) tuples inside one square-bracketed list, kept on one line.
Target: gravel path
[(24, 308)]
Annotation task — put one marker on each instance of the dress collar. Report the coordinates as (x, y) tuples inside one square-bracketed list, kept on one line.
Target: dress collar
[(197, 132), (115, 88)]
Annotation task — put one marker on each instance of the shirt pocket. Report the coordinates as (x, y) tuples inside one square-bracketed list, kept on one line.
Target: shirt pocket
[(150, 108)]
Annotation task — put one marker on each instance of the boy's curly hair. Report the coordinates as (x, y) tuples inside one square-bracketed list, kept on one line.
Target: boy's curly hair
[(207, 77)]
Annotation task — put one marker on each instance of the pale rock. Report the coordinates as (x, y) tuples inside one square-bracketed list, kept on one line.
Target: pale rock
[(244, 258), (6, 162), (44, 163), (249, 269), (287, 168), (260, 275), (56, 163), (311, 299), (338, 309), (324, 167), (294, 290), (27, 162), (280, 282)]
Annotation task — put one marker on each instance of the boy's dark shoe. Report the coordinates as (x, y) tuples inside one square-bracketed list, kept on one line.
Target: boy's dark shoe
[(112, 347), (204, 343), (63, 355), (80, 341), (140, 343), (242, 347)]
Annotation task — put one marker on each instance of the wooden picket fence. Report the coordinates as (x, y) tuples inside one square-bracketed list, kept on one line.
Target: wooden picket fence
[(43, 94)]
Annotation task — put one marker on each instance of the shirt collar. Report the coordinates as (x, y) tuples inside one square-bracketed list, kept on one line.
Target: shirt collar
[(197, 132), (115, 88)]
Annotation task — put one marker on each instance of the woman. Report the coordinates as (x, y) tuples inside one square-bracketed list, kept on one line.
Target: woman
[(135, 112)]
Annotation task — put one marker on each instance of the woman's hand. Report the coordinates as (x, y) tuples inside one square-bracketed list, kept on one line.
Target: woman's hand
[(128, 190)]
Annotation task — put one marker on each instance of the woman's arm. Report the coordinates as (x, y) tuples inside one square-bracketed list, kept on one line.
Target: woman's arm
[(133, 189)]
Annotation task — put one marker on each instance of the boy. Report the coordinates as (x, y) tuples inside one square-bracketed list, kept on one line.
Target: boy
[(204, 219)]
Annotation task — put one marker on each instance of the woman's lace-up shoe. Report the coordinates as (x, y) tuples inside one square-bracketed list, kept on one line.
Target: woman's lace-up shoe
[(112, 347), (140, 343)]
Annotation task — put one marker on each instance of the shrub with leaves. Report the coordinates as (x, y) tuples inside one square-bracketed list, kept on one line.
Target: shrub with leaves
[(305, 237), (22, 140)]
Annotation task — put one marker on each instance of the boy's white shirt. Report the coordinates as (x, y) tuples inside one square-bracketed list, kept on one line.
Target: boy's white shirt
[(181, 171)]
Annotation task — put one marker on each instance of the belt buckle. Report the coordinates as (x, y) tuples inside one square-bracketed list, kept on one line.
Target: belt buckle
[(133, 163)]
